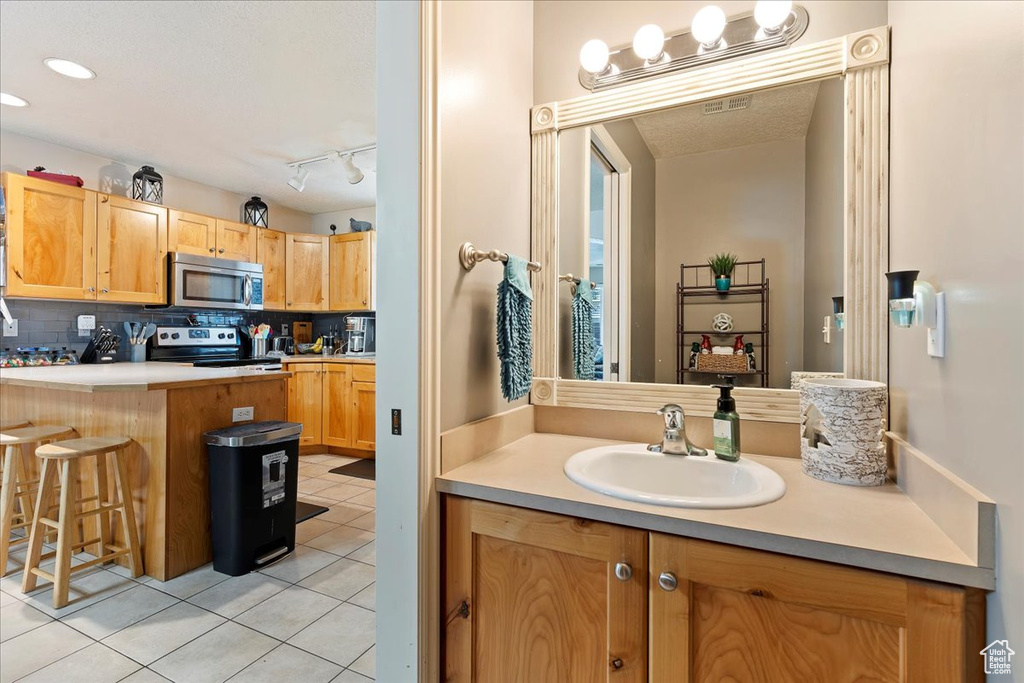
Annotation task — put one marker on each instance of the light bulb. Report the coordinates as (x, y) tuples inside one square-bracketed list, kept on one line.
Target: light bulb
[(708, 25), (649, 42), (66, 67), (594, 56), (771, 14)]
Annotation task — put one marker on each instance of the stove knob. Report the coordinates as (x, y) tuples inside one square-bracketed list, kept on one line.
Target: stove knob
[(175, 335), (163, 335), (220, 336), (231, 335)]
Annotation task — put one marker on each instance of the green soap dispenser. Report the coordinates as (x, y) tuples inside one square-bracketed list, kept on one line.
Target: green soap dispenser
[(727, 422)]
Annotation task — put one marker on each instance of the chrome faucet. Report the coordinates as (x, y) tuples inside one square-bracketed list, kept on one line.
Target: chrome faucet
[(674, 442)]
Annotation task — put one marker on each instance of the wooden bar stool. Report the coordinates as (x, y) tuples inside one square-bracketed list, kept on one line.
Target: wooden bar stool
[(17, 484), (65, 455)]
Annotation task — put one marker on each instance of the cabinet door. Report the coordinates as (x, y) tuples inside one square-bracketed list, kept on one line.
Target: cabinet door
[(352, 271), (51, 239), (191, 233), (532, 596), (748, 615), (306, 274), (364, 415), (305, 393), (337, 402), (236, 241), (270, 251), (131, 251)]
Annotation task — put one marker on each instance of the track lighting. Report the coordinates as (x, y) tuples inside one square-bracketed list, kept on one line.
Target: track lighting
[(352, 172), (298, 181)]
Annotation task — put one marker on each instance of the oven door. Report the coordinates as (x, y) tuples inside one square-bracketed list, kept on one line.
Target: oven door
[(202, 286)]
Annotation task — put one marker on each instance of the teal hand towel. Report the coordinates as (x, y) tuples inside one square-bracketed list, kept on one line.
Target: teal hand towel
[(583, 347), (515, 331)]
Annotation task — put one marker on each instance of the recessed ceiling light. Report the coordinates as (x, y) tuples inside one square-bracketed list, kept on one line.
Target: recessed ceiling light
[(68, 68), (12, 100)]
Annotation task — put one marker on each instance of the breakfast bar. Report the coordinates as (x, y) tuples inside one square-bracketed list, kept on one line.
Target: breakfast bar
[(164, 408)]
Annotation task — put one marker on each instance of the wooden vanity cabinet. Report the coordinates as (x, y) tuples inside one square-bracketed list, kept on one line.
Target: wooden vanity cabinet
[(335, 402), (353, 280), (306, 273), (716, 612), (131, 254), (270, 252)]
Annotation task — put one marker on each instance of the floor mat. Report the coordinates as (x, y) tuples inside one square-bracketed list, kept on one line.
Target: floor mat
[(304, 511), (365, 468)]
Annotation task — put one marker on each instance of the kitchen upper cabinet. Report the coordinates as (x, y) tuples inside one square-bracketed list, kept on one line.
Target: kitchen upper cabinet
[(533, 596), (306, 273), (270, 251), (131, 251), (236, 241), (353, 278), (305, 393), (337, 405), (51, 239), (191, 233)]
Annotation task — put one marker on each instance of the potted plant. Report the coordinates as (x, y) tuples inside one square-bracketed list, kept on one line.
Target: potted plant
[(722, 265)]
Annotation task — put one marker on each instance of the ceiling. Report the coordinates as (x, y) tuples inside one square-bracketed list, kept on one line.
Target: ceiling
[(221, 93), (780, 114)]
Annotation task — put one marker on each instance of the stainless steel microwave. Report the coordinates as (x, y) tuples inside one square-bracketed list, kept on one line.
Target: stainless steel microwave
[(204, 282)]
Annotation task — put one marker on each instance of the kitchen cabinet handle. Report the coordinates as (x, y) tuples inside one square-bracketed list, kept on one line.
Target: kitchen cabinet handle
[(92, 289), (212, 250), (221, 250), (105, 290), (667, 581), (364, 302), (617, 663), (623, 572), (105, 199)]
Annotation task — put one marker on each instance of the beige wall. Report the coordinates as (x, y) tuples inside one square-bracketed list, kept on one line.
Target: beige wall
[(561, 27), (748, 201), (957, 214), (823, 226), (19, 154), (485, 91)]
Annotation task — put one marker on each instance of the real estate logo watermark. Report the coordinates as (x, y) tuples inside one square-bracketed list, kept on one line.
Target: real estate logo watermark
[(998, 656)]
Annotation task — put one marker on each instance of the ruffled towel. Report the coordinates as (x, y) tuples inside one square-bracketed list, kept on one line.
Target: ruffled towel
[(515, 332), (583, 347)]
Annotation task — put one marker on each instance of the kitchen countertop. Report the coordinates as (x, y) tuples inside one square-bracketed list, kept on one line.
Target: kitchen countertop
[(317, 358), (876, 528), (150, 376)]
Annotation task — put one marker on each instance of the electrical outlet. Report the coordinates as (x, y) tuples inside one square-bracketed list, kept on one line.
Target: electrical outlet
[(86, 324), (242, 414), (284, 329), (11, 329)]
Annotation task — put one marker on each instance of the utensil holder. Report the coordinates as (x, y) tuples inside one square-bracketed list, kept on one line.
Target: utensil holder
[(138, 353), (259, 348)]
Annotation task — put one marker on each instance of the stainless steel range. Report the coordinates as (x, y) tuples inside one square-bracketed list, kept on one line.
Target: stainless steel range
[(211, 347)]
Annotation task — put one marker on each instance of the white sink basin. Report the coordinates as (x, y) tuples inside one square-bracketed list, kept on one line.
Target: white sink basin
[(631, 472)]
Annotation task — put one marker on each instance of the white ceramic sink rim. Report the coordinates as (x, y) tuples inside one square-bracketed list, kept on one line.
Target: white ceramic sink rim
[(631, 472)]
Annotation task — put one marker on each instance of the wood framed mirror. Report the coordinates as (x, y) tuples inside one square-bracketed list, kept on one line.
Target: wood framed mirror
[(857, 65)]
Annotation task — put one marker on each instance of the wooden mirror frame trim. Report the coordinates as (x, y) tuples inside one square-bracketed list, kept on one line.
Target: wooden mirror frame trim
[(863, 59)]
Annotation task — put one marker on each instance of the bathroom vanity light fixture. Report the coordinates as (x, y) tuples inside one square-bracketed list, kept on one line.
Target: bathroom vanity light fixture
[(712, 37), (353, 173), (914, 302)]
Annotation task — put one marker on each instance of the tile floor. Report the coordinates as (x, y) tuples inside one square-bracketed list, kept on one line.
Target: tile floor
[(310, 617)]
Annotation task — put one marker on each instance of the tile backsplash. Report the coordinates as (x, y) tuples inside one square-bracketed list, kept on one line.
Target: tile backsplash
[(55, 323)]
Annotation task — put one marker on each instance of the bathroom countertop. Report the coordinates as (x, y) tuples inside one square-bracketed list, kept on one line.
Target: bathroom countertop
[(150, 376), (876, 528)]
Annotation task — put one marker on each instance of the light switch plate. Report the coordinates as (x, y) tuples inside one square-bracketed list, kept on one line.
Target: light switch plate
[(11, 329), (826, 331), (242, 414)]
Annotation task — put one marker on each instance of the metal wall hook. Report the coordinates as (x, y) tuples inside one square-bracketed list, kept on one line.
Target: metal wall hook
[(469, 256)]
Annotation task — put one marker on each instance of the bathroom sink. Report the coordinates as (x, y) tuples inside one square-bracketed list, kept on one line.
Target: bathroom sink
[(631, 472)]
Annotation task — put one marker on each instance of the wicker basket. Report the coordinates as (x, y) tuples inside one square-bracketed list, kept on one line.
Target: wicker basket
[(720, 362)]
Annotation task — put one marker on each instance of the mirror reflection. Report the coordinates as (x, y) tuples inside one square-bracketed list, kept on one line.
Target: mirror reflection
[(705, 240)]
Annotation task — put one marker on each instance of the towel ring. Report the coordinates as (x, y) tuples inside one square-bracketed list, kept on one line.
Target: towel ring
[(469, 256)]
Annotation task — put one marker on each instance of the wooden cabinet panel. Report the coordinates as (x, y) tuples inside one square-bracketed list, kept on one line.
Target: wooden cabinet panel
[(236, 241), (364, 372), (306, 274), (131, 251), (352, 271), (51, 239), (364, 415), (337, 405), (305, 393), (191, 233), (531, 596), (270, 251)]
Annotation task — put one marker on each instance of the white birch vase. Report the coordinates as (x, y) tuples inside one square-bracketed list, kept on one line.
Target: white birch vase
[(841, 438)]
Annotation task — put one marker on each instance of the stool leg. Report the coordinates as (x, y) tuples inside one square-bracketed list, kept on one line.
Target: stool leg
[(66, 523), (37, 530), (25, 496), (7, 495), (131, 532), (104, 519)]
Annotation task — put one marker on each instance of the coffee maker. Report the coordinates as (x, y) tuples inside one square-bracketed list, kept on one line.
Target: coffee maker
[(360, 336)]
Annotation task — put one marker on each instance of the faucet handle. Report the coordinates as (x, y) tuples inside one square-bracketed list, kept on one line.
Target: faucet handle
[(673, 415)]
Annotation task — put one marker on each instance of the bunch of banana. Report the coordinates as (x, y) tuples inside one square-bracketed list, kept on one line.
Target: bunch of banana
[(318, 346)]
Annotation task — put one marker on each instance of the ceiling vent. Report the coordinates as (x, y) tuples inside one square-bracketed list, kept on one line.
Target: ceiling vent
[(730, 104)]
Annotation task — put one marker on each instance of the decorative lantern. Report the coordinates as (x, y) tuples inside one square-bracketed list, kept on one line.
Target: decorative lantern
[(256, 213), (148, 186)]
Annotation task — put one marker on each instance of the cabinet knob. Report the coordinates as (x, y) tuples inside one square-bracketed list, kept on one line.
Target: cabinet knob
[(364, 302), (616, 663), (667, 581), (212, 250), (92, 289), (221, 250), (623, 572), (105, 290)]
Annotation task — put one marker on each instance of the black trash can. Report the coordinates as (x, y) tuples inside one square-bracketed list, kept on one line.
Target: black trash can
[(254, 473)]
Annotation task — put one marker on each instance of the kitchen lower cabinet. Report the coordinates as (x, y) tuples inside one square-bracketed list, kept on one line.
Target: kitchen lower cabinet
[(305, 393), (337, 405), (131, 254), (335, 402), (536, 596), (270, 252)]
